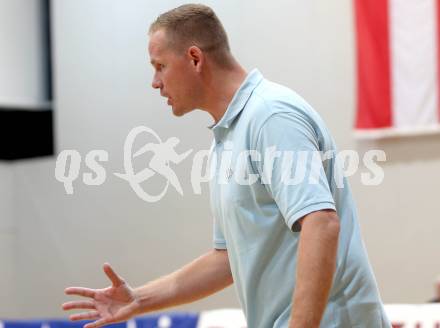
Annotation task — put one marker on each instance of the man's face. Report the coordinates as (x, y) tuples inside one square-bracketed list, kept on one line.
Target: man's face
[(174, 75)]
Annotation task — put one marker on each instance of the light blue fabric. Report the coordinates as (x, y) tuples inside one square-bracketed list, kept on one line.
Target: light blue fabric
[(254, 222)]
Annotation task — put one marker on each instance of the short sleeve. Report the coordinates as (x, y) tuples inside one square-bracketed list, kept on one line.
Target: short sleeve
[(219, 241), (291, 167)]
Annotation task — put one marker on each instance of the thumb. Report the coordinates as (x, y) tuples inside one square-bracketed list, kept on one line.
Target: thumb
[(112, 275)]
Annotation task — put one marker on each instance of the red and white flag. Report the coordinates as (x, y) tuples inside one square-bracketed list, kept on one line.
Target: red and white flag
[(398, 60)]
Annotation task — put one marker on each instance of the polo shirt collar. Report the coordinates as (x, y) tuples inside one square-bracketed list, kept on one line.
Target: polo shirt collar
[(239, 100)]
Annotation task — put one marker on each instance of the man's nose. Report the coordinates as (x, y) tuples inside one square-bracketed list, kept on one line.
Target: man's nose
[(156, 84)]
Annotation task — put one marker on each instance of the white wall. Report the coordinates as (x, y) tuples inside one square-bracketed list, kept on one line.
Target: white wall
[(102, 90), (7, 242)]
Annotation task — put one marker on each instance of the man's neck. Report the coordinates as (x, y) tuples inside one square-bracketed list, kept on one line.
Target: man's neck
[(221, 89)]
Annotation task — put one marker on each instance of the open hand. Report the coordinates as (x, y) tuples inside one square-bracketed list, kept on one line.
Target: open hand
[(108, 305)]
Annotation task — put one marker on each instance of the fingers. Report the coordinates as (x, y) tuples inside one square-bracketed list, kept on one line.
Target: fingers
[(78, 305), (92, 315), (97, 323), (112, 275), (80, 291)]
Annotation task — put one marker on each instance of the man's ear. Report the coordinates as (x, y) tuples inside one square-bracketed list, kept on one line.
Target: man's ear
[(196, 56)]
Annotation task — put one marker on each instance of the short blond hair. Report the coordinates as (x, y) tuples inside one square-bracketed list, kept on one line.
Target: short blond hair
[(198, 25)]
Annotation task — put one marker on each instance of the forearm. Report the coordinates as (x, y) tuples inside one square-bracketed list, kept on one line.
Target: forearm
[(202, 277), (316, 264)]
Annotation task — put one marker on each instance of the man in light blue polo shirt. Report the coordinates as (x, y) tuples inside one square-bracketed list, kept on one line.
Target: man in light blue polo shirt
[(285, 225), (258, 223)]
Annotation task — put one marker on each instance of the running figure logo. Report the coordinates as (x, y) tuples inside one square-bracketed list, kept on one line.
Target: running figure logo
[(163, 153)]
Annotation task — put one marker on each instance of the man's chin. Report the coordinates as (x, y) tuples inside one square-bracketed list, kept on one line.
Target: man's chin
[(179, 111)]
